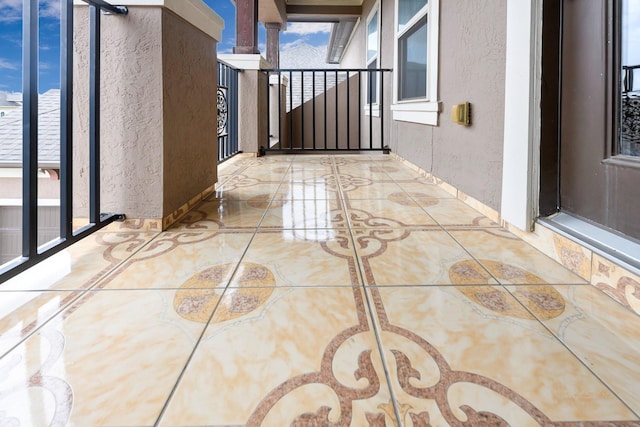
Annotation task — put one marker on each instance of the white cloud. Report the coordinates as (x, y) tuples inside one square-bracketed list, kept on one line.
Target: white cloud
[(11, 10), (292, 45), (50, 9), (304, 28), (6, 65)]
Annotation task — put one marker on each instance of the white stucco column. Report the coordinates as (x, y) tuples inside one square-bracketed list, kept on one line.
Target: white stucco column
[(521, 161)]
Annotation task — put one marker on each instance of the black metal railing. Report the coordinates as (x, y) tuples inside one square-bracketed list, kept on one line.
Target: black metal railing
[(31, 253), (227, 111), (326, 110), (628, 72)]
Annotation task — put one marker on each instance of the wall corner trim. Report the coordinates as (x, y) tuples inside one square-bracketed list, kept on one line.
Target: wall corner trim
[(196, 12), (521, 155)]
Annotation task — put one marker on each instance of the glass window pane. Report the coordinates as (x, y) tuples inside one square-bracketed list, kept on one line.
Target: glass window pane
[(372, 38), (630, 108), (407, 10), (372, 87), (413, 62)]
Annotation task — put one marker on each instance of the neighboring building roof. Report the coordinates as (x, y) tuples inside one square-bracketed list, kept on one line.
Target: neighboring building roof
[(10, 99), (305, 56), (48, 133)]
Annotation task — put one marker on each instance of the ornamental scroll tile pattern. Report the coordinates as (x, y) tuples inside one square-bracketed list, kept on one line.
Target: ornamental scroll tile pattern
[(329, 291)]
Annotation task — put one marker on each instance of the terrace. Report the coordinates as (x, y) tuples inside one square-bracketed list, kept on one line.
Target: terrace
[(328, 282)]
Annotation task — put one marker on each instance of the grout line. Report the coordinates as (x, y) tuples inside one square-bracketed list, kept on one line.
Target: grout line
[(215, 309), (372, 315), (81, 293), (566, 346)]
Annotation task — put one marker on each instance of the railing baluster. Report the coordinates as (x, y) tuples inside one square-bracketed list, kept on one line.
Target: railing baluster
[(268, 108), (359, 110), (369, 77), (326, 101), (337, 117), (381, 107), (30, 131), (302, 109), (94, 116), (228, 139), (66, 119), (291, 110), (279, 109), (299, 106), (313, 94), (31, 254), (348, 115)]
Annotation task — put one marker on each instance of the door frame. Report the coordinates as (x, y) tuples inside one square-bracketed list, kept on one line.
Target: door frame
[(522, 115)]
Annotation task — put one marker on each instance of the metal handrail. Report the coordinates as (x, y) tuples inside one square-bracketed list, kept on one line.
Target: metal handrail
[(346, 129), (32, 253), (228, 106), (104, 6)]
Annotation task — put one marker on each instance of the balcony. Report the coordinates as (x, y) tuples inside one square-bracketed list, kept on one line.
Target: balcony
[(347, 287), (309, 290)]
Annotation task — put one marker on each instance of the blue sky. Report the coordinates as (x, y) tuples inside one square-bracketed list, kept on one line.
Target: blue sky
[(49, 53)]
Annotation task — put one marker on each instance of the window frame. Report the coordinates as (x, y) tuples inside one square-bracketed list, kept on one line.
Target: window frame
[(372, 108), (418, 110)]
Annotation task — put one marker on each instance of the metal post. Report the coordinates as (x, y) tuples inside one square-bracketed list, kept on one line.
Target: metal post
[(325, 109), (348, 112), (313, 94), (381, 107), (302, 109), (291, 110), (370, 109), (268, 109), (94, 116), (337, 117), (279, 110), (30, 130), (359, 109), (66, 119)]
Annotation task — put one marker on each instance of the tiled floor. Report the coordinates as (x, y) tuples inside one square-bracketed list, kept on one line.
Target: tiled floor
[(315, 291)]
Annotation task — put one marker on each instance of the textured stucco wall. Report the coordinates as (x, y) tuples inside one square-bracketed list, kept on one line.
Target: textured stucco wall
[(189, 100), (131, 113), (252, 110), (472, 57), (158, 114)]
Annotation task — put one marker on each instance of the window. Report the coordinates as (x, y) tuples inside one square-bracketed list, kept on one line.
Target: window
[(416, 56), (373, 37)]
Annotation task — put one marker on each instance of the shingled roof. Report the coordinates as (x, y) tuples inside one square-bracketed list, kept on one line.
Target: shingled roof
[(48, 133), (304, 56)]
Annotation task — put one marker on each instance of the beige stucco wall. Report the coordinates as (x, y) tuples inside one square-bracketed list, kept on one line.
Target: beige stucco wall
[(252, 110), (158, 131), (472, 54), (131, 113), (189, 99)]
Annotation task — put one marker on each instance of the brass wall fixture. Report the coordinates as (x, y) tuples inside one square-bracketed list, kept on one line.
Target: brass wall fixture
[(461, 114)]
